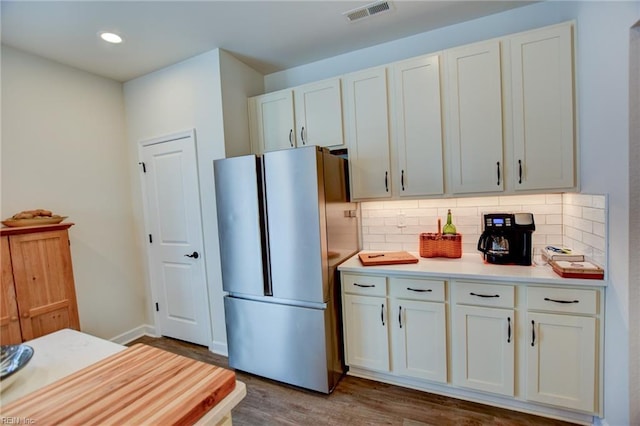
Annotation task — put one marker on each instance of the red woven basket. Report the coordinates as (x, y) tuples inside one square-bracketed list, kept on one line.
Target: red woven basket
[(440, 245)]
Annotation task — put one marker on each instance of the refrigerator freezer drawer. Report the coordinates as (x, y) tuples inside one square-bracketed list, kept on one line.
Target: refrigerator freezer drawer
[(284, 343)]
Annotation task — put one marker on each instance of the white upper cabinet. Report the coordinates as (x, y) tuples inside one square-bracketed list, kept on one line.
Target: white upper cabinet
[(444, 123), (305, 115), (474, 119), (272, 119), (318, 108), (417, 124), (367, 133), (543, 119)]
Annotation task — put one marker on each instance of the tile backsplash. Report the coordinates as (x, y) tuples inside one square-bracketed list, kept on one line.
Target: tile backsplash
[(584, 219), (574, 220)]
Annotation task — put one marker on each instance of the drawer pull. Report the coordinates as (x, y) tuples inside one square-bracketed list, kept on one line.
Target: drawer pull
[(420, 290), (364, 285), (533, 333), (508, 329), (484, 295), (561, 301)]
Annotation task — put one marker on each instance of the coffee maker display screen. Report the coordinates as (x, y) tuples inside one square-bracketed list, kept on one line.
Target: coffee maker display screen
[(498, 221)]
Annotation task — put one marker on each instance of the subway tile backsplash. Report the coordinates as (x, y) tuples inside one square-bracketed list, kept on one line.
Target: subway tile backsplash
[(584, 222), (574, 220)]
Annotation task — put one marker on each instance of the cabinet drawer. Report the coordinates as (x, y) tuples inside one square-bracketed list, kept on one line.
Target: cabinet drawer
[(365, 284), (416, 289), (571, 300), (499, 296)]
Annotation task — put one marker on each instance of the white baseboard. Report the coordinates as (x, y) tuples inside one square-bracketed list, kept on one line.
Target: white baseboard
[(131, 335), (219, 348)]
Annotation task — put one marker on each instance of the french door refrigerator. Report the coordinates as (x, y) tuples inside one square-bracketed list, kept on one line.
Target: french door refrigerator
[(285, 223)]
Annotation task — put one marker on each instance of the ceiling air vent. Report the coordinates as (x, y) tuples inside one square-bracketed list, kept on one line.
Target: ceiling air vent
[(368, 10)]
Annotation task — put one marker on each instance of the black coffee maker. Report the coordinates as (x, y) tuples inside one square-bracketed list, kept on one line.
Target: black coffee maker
[(507, 238)]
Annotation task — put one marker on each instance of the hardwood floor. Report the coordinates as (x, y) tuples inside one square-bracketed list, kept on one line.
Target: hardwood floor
[(354, 402)]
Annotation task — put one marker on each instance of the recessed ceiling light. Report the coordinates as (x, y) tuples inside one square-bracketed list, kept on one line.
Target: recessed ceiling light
[(111, 37)]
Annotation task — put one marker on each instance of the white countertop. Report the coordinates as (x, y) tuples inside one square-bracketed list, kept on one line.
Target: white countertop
[(470, 266), (64, 352)]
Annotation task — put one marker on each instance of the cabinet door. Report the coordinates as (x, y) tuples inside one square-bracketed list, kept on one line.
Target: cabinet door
[(318, 109), (9, 319), (367, 336), (419, 344), (43, 278), (367, 127), (561, 360), (543, 123), (274, 121), (484, 350), (474, 119), (418, 127)]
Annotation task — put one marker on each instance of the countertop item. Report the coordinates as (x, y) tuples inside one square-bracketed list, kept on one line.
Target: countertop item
[(472, 267), (61, 356), (36, 221), (577, 269), (387, 258), (14, 359)]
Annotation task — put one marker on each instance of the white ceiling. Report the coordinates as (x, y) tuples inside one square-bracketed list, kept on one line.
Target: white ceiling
[(268, 35)]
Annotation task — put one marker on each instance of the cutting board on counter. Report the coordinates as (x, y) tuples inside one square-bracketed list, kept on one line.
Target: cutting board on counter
[(387, 258), (140, 385)]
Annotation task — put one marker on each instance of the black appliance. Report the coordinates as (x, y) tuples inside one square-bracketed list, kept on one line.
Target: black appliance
[(506, 238)]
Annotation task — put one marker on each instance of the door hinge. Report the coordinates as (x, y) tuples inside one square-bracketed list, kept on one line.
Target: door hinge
[(144, 166), (157, 307), (150, 239)]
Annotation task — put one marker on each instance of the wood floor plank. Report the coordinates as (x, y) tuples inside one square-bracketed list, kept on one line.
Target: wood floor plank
[(354, 402)]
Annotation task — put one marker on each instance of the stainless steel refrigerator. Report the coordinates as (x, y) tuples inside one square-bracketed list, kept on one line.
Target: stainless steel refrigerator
[(285, 222)]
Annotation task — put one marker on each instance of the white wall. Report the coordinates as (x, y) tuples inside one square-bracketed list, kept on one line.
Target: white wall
[(180, 97), (238, 83), (64, 149), (602, 60)]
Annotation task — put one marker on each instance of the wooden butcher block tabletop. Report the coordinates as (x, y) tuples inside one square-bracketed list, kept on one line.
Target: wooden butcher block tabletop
[(141, 385)]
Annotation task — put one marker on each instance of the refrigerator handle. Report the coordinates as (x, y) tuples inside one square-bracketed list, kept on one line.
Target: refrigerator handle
[(264, 227)]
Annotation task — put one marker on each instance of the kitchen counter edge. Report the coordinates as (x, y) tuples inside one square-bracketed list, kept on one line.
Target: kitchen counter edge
[(470, 266)]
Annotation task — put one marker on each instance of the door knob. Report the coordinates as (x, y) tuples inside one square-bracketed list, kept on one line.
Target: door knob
[(194, 255)]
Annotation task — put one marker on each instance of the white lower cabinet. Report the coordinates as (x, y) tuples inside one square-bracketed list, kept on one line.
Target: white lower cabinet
[(489, 342), (484, 337), (562, 348), (366, 322), (418, 331), (367, 331)]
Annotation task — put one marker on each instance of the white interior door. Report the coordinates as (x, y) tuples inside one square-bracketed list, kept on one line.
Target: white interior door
[(174, 224)]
